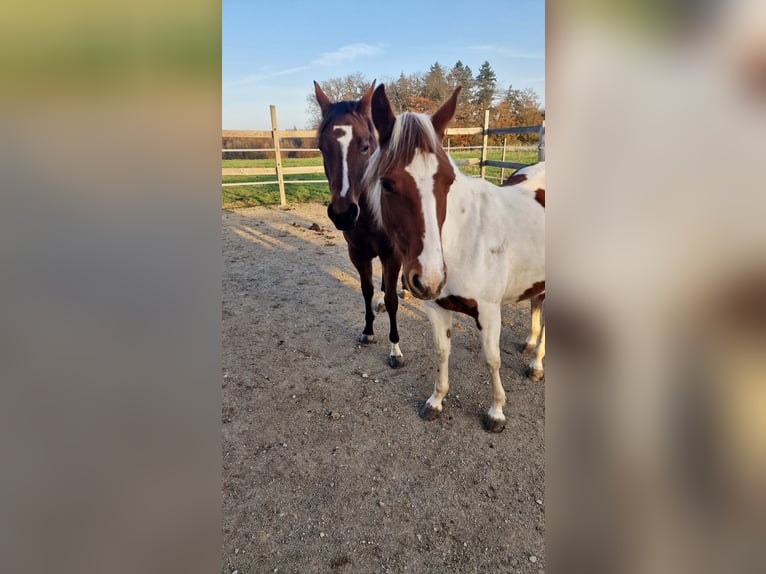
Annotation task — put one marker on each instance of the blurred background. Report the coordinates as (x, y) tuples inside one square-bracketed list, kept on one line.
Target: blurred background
[(110, 284), (110, 289), (656, 396)]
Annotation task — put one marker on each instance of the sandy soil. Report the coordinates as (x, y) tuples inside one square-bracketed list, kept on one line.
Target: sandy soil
[(326, 465)]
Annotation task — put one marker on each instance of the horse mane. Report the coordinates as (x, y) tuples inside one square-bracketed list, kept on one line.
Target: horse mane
[(412, 132)]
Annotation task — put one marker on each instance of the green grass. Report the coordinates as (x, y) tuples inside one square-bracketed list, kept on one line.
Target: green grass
[(268, 194), (269, 162), (493, 173)]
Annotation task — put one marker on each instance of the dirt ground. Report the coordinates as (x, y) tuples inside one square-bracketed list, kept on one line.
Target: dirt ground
[(326, 465)]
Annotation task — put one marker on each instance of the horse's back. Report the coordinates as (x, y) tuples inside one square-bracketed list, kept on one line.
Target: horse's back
[(494, 238), (531, 177)]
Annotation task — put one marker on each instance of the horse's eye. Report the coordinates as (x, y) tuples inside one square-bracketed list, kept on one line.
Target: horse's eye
[(386, 185), (365, 148)]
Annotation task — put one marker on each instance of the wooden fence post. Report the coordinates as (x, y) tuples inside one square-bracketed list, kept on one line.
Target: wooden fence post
[(484, 140), (541, 144), (502, 170), (277, 156)]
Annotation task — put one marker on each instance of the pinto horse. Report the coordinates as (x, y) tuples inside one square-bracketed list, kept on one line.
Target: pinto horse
[(466, 245), (346, 140)]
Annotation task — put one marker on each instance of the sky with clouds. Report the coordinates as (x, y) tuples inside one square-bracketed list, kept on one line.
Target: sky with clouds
[(273, 50)]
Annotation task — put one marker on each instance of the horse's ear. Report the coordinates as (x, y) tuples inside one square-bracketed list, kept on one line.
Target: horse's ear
[(364, 103), (382, 115), (322, 99), (444, 114)]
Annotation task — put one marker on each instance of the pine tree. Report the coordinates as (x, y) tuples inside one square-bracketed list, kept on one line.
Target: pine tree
[(435, 86), (461, 75), (486, 86)]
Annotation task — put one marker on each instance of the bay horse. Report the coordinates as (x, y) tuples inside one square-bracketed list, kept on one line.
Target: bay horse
[(467, 245), (347, 140)]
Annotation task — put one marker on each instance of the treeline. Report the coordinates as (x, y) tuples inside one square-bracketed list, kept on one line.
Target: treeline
[(291, 147), (424, 92)]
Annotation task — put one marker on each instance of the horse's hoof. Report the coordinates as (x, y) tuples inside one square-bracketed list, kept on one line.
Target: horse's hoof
[(404, 294), (536, 375), (493, 425), (380, 307), (428, 413), (395, 362), (366, 339)]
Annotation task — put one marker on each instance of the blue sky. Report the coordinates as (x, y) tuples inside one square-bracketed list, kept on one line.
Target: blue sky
[(274, 49)]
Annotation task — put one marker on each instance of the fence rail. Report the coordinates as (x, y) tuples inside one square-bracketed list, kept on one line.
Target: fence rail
[(276, 135)]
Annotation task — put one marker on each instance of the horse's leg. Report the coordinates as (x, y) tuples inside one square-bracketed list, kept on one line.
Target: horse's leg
[(536, 372), (491, 321), (441, 323), (535, 323), (380, 305), (391, 268), (364, 267), (404, 293)]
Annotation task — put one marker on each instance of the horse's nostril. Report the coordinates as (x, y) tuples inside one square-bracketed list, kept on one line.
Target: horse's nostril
[(344, 220), (416, 283)]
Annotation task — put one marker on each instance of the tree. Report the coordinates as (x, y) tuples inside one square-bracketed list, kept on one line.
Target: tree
[(524, 109), (461, 75), (350, 87), (402, 90), (485, 87), (435, 86)]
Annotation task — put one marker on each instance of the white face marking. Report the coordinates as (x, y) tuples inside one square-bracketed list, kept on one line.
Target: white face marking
[(422, 168), (344, 142)]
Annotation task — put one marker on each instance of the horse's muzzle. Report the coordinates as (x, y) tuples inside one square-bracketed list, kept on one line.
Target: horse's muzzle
[(346, 220), (421, 289)]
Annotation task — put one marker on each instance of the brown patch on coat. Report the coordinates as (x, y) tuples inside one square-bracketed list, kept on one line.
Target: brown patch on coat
[(515, 179), (449, 333), (461, 305), (540, 196), (536, 289)]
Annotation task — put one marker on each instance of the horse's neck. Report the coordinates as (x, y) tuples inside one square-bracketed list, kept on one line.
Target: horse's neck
[(465, 189)]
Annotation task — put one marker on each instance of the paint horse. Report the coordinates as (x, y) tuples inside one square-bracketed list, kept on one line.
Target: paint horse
[(347, 140), (466, 244), (532, 342)]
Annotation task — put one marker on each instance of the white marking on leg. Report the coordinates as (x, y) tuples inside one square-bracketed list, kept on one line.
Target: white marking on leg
[(537, 360), (422, 168), (344, 142), (535, 323), (380, 304), (441, 321), (490, 342), (395, 350)]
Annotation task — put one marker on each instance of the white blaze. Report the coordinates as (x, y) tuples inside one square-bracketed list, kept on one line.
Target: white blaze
[(422, 168), (344, 142)]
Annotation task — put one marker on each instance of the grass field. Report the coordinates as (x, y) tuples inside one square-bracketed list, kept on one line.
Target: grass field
[(268, 194)]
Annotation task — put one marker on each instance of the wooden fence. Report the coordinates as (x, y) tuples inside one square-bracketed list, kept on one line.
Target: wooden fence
[(279, 171)]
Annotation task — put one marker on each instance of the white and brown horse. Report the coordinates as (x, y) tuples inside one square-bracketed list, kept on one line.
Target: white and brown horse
[(466, 245), (347, 140)]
